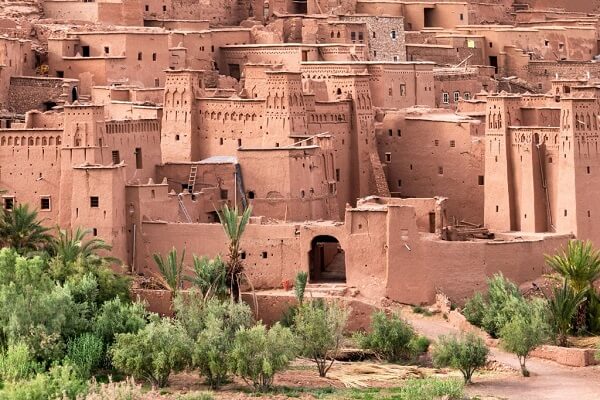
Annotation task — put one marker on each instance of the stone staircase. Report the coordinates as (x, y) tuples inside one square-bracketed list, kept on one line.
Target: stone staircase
[(381, 185), (325, 289)]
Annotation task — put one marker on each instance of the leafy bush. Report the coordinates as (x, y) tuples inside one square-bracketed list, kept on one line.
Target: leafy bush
[(466, 353), (422, 310), (209, 277), (503, 299), (85, 353), (125, 390), (300, 285), (524, 333), (390, 337), (320, 330), (475, 309), (258, 354), (430, 389), (61, 382), (419, 345), (190, 312), (116, 316), (17, 363), (154, 352), (212, 351)]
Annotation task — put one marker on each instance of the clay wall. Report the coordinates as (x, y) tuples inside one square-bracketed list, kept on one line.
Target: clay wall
[(29, 93), (435, 154), (16, 59), (217, 12), (452, 86), (386, 38)]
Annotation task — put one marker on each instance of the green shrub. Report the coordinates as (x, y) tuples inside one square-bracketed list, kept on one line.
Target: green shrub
[(320, 330), (190, 312), (563, 306), (503, 299), (117, 316), (258, 354), (17, 363), (212, 351), (154, 352), (475, 309), (61, 382), (430, 389), (466, 353), (419, 345), (390, 337), (209, 277), (197, 396), (85, 353), (300, 285), (421, 310), (524, 333)]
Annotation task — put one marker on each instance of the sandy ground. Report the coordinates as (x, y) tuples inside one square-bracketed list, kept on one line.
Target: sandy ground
[(548, 380)]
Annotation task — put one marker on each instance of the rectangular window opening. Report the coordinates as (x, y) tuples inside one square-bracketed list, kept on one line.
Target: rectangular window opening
[(94, 202)]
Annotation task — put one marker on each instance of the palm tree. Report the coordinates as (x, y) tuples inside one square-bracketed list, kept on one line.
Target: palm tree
[(70, 246), (170, 269), (234, 226), (563, 305), (209, 276), (579, 266), (21, 230)]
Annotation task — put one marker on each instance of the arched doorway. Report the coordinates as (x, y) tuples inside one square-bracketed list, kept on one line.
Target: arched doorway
[(327, 260)]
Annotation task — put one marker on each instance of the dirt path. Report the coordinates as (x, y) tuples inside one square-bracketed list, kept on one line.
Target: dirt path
[(548, 381)]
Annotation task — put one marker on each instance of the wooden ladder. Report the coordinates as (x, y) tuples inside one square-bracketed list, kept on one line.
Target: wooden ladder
[(192, 179)]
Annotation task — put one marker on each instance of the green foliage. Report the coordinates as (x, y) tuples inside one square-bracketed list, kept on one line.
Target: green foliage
[(421, 310), (391, 338), (209, 277), (475, 309), (524, 332), (563, 305), (197, 396), (85, 353), (170, 269), (300, 285), (320, 330), (419, 345), (61, 382), (116, 316), (234, 226), (430, 389), (466, 353), (214, 344), (258, 354), (21, 230), (17, 363), (125, 390), (579, 264), (34, 309), (154, 352), (503, 299), (190, 310)]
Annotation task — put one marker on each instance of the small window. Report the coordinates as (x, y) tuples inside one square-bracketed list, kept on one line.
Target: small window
[(94, 202), (156, 82), (221, 141), (390, 92), (546, 43), (140, 56), (565, 213), (390, 132), (399, 132), (497, 208), (456, 96), (360, 37), (388, 157), (491, 45), (399, 182), (395, 58), (263, 254), (116, 158), (440, 170), (146, 8), (337, 174), (176, 137), (588, 169), (243, 255), (60, 74), (393, 35), (94, 231), (445, 98), (239, 142), (374, 35), (153, 56), (467, 96), (353, 36), (251, 194), (85, 51), (45, 203), (480, 180), (9, 203), (106, 49), (138, 158), (462, 17), (549, 160), (224, 193), (402, 89), (436, 142), (453, 143), (164, 9)]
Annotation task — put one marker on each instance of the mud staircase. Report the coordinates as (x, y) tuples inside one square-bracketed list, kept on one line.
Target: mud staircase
[(381, 185), (333, 289)]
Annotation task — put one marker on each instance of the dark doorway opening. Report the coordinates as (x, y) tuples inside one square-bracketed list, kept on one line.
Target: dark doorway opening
[(85, 51), (234, 71), (428, 17), (74, 95), (299, 7), (327, 260), (48, 105), (431, 222), (494, 63)]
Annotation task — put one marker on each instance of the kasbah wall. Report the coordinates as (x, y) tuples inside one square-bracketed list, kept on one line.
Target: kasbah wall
[(360, 132)]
